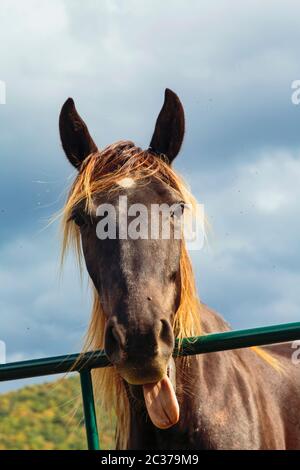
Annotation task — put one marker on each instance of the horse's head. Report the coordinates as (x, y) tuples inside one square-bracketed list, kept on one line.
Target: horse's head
[(136, 274)]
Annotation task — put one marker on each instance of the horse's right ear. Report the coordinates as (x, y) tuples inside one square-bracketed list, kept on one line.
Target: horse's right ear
[(169, 128), (75, 137)]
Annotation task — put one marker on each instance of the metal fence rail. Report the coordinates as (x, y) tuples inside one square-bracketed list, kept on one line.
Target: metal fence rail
[(84, 363)]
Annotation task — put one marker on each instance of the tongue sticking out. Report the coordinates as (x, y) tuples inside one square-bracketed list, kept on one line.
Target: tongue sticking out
[(161, 403)]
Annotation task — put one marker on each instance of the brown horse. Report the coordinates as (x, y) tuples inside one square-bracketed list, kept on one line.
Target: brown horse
[(145, 297)]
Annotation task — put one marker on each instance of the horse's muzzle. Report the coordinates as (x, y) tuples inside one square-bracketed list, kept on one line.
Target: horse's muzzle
[(140, 353)]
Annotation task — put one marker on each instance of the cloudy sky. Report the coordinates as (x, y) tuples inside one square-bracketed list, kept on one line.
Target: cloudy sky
[(232, 63)]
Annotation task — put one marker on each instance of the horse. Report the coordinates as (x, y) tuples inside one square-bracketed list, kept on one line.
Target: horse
[(145, 298)]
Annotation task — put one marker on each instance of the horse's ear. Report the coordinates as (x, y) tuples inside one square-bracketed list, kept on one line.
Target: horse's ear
[(75, 137), (169, 127)]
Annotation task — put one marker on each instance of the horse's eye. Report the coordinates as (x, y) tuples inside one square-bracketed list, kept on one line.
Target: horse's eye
[(182, 206), (78, 219), (178, 210)]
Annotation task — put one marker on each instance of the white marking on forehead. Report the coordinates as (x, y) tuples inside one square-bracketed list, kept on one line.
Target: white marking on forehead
[(126, 182)]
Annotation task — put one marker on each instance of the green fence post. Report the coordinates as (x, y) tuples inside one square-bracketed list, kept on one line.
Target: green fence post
[(89, 410)]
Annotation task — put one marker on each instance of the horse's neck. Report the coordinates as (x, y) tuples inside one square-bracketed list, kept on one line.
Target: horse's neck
[(195, 375), (211, 321)]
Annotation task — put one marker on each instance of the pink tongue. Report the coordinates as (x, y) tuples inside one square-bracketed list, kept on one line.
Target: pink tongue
[(161, 403)]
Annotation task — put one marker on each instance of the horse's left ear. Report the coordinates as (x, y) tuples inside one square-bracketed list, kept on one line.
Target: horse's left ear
[(75, 137), (169, 128)]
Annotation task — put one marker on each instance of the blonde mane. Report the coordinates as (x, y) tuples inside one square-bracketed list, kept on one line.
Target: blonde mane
[(100, 172)]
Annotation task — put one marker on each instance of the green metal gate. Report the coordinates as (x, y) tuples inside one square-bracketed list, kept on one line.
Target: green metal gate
[(84, 363)]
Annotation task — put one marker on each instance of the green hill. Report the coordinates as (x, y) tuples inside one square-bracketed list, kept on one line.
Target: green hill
[(48, 416)]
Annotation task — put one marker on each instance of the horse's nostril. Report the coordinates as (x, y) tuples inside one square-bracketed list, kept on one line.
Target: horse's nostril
[(115, 334), (166, 333), (114, 341), (118, 335)]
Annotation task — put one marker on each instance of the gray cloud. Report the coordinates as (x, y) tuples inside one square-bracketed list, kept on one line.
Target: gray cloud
[(250, 270)]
